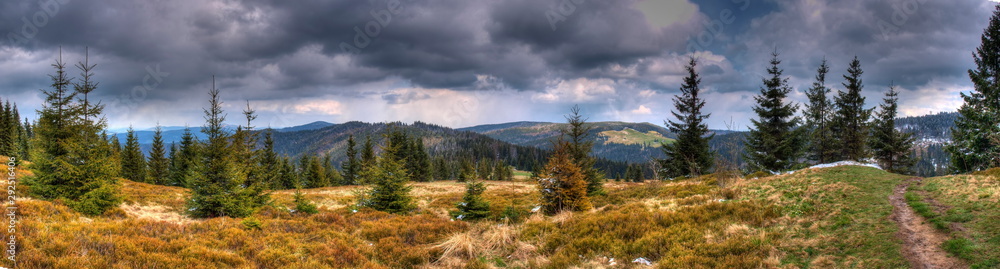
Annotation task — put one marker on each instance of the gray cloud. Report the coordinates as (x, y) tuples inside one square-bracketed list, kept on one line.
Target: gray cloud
[(292, 50)]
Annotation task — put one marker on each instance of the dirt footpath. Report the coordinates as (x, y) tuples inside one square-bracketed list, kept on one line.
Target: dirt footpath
[(921, 242)]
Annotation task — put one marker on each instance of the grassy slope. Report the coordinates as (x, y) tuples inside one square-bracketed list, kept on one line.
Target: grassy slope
[(969, 209), (628, 136), (834, 217)]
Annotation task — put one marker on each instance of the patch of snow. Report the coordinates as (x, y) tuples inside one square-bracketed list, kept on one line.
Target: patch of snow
[(843, 163), (642, 260), (536, 209)]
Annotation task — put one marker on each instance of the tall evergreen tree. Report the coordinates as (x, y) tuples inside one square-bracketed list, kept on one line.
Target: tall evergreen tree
[(891, 147), (420, 161), (851, 122), (270, 163), (186, 163), (577, 135), (818, 113), (74, 161), (8, 138), (24, 145), (562, 183), (312, 174), (442, 171), (467, 171), (332, 175), (159, 165), (774, 142), (133, 161), (690, 153), (389, 180), (484, 169), (368, 153), (288, 179), (972, 148), (220, 190), (254, 179), (352, 166)]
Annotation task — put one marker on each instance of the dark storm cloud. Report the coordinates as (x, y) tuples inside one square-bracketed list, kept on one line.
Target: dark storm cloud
[(911, 42), (432, 43), (295, 50)]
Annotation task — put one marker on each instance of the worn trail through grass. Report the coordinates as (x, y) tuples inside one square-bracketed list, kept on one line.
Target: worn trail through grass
[(921, 242)]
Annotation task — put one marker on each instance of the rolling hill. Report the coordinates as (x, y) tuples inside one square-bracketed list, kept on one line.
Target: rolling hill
[(439, 141), (618, 141)]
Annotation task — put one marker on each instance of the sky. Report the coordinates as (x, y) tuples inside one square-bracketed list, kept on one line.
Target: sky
[(461, 63)]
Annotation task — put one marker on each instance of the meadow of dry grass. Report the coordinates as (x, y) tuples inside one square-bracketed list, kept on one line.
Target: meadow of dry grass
[(829, 218)]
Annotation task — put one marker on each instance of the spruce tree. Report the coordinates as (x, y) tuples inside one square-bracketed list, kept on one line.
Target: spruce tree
[(220, 188), (368, 153), (288, 179), (442, 171), (562, 183), (249, 171), (420, 161), (332, 175), (133, 161), (302, 205), (972, 148), (159, 165), (819, 115), (690, 154), (580, 147), (483, 169), (187, 161), (24, 144), (271, 164), (74, 162), (851, 124), (774, 142), (467, 172), (352, 165), (312, 174), (8, 139), (389, 190), (891, 147), (473, 205)]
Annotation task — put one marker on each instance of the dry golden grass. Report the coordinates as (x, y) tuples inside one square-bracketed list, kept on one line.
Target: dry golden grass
[(781, 221)]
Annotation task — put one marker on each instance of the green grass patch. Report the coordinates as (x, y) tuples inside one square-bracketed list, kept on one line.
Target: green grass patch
[(628, 136), (837, 217), (972, 201)]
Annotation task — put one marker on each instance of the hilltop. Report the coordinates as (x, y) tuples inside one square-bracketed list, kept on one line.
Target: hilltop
[(617, 141)]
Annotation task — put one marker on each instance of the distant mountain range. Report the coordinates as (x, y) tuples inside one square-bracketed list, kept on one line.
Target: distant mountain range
[(174, 133), (525, 144)]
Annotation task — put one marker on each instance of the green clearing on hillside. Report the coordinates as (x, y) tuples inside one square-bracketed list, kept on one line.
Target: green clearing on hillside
[(969, 210), (628, 136), (834, 218)]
